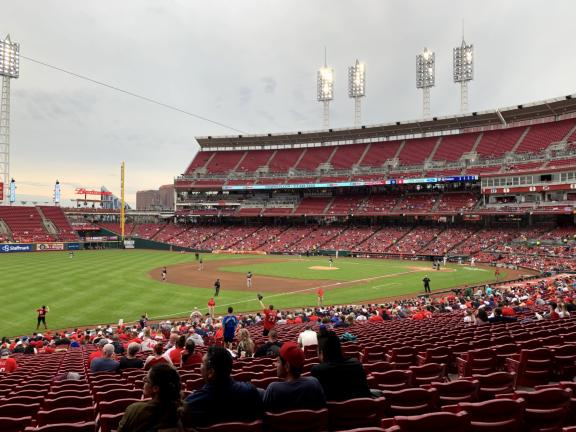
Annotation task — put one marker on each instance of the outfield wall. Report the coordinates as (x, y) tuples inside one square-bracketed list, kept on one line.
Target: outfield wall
[(38, 247)]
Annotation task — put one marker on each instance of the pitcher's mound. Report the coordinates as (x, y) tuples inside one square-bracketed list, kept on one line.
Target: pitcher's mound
[(322, 268)]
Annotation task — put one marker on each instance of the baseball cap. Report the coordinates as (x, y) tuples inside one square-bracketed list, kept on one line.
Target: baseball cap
[(4, 353), (102, 342), (291, 353)]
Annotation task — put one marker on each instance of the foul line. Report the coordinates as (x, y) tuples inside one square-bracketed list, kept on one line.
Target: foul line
[(291, 292)]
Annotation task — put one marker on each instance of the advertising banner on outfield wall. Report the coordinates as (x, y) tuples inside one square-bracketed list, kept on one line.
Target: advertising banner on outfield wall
[(73, 246), (41, 247), (9, 248)]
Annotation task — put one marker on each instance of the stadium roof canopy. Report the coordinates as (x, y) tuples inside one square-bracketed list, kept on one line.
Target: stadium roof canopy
[(436, 125)]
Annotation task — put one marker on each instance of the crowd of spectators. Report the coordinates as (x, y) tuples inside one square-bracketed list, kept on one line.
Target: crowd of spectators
[(215, 343)]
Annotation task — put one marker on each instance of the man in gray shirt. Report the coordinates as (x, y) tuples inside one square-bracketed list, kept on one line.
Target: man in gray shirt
[(295, 392)]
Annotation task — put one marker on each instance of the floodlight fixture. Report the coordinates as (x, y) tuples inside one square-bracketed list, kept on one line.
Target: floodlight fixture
[(9, 58), (463, 57), (357, 88), (325, 90), (325, 84), (9, 68), (425, 77)]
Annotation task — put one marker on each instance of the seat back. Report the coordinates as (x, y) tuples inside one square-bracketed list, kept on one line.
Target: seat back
[(359, 412), (547, 408), (428, 373), (255, 426), (439, 421), (72, 415), (19, 410), (497, 415), (403, 357), (116, 406), (495, 383), (14, 424), (68, 427), (457, 391), (297, 420), (393, 380), (68, 401), (414, 401)]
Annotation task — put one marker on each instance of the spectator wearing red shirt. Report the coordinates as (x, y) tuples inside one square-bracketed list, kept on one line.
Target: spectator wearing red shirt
[(270, 317), (175, 353), (189, 356), (375, 317), (552, 314), (7, 364), (508, 311), (157, 358), (97, 354)]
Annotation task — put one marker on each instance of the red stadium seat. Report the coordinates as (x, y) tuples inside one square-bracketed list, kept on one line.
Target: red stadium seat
[(360, 412), (14, 424), (533, 366), (393, 379), (444, 421), (413, 401), (109, 422), (255, 426), (428, 373), (456, 391), (76, 415), (297, 420), (65, 427), (500, 415)]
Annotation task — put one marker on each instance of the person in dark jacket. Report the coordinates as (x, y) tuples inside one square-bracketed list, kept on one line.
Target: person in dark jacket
[(342, 378), (222, 399)]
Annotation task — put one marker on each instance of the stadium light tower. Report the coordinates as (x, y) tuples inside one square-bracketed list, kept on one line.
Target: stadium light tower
[(425, 77), (357, 88), (9, 68), (463, 70), (325, 85)]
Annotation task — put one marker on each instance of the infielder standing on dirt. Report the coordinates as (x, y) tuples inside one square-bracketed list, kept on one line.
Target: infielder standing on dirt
[(249, 276), (330, 261)]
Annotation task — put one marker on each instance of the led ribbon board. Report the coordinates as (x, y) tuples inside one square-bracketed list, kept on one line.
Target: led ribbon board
[(426, 180)]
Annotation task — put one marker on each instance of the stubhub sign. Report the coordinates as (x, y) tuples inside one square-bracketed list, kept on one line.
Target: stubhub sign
[(7, 248)]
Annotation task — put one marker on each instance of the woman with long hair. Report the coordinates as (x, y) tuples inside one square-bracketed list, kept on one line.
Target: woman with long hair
[(162, 384), (246, 344)]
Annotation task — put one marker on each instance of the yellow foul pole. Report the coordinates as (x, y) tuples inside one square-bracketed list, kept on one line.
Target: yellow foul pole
[(122, 213)]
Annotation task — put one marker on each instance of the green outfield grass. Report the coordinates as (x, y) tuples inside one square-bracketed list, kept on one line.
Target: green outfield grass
[(103, 286)]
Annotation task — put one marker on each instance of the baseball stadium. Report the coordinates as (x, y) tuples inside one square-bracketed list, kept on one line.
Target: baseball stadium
[(410, 275)]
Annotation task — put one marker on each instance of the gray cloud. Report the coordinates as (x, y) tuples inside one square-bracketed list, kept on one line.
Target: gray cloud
[(245, 95), (269, 84)]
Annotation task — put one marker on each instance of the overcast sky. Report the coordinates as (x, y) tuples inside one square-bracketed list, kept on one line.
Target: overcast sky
[(250, 64)]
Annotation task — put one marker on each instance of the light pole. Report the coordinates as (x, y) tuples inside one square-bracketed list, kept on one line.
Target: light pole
[(425, 77), (325, 87), (9, 68), (357, 88), (463, 71)]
